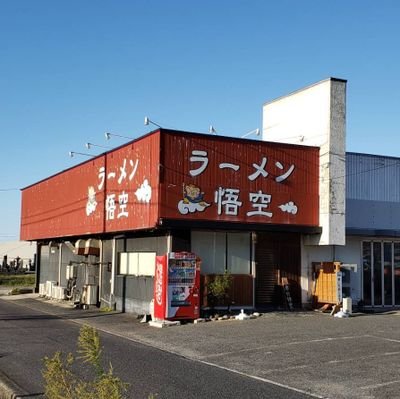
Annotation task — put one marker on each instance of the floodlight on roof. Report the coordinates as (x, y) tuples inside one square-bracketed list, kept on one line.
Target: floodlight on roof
[(212, 130), (148, 121)]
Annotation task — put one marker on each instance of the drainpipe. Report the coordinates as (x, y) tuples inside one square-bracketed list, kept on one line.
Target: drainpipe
[(37, 264), (113, 265), (169, 242), (253, 264), (100, 268), (60, 245)]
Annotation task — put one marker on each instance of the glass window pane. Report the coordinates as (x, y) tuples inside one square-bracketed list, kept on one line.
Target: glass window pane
[(133, 266), (123, 263), (377, 273), (238, 249), (367, 272), (387, 272), (211, 248)]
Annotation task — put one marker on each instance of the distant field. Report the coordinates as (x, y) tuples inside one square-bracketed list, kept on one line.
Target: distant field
[(17, 280)]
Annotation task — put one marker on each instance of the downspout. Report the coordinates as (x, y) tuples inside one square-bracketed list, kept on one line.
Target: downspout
[(169, 242), (113, 265), (60, 246), (253, 264), (37, 265), (100, 268)]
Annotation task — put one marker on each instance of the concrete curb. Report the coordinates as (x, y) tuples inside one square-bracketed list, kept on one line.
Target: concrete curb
[(11, 390)]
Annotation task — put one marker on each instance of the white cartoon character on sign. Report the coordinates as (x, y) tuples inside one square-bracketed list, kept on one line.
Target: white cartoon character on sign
[(91, 202), (192, 200)]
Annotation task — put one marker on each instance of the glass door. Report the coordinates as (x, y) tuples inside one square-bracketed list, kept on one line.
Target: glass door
[(381, 273), (396, 264), (388, 274), (367, 272)]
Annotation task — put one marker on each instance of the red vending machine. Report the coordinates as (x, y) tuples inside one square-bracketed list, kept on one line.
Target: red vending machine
[(177, 286)]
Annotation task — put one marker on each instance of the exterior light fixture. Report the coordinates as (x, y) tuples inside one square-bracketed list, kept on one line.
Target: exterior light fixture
[(90, 145), (109, 135), (148, 121), (73, 153), (256, 132)]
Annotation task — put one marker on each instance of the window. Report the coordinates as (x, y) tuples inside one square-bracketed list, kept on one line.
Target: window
[(220, 251), (137, 263)]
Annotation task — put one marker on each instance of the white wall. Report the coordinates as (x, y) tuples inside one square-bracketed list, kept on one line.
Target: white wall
[(316, 115)]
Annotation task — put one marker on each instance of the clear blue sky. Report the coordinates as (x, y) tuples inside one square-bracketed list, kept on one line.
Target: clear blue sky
[(72, 70)]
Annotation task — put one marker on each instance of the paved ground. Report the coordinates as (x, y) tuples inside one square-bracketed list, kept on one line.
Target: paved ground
[(306, 352)]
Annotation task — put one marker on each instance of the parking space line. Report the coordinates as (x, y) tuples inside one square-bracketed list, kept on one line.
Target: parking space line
[(312, 395), (364, 357), (386, 339), (383, 384), (258, 348)]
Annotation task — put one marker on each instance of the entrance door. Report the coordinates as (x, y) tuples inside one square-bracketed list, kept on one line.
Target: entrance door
[(381, 273), (277, 255)]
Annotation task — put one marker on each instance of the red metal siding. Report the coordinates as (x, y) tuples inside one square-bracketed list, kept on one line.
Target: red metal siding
[(57, 206), (114, 192), (219, 179)]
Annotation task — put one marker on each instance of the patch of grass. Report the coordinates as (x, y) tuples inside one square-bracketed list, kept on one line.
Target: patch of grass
[(106, 309), (17, 291), (17, 280)]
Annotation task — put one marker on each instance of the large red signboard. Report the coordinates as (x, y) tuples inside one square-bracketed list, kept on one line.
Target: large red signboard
[(243, 181)]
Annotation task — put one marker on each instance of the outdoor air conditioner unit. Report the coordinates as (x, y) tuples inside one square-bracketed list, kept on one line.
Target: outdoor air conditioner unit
[(42, 289), (54, 291), (60, 293), (49, 288)]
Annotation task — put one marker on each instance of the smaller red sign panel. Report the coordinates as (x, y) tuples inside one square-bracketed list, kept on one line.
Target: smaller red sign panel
[(232, 180), (131, 182), (117, 191)]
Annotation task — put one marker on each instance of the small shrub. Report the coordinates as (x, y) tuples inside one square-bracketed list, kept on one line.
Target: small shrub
[(219, 287), (61, 382)]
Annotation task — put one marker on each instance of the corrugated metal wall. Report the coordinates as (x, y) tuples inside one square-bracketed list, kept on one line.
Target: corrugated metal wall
[(134, 293), (372, 177), (48, 264), (372, 194)]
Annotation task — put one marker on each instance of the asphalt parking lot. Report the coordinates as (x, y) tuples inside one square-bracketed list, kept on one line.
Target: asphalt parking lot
[(308, 352)]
